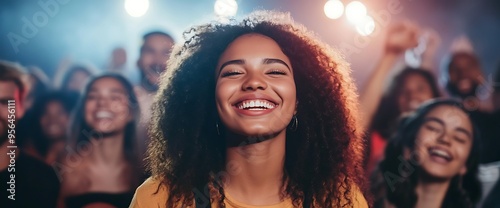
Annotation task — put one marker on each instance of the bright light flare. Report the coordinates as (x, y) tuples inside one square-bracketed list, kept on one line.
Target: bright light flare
[(355, 12), (334, 9), (136, 8), (366, 26), (225, 8)]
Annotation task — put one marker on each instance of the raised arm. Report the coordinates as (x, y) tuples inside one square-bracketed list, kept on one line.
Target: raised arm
[(400, 37)]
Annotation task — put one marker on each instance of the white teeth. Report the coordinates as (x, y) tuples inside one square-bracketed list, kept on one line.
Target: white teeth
[(104, 114), (441, 153), (255, 104)]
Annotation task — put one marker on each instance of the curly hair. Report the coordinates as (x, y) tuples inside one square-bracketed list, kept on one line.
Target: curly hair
[(323, 156), (464, 191), (388, 112)]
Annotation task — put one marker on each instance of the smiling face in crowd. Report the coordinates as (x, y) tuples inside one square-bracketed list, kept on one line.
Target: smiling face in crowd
[(106, 106), (54, 120), (416, 90), (255, 89), (444, 142), (154, 55)]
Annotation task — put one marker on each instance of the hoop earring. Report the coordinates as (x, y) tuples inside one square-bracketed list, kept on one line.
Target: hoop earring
[(217, 127), (294, 124)]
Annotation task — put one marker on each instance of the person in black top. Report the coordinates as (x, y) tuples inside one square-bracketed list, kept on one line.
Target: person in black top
[(100, 166), (24, 181), (465, 81), (490, 195)]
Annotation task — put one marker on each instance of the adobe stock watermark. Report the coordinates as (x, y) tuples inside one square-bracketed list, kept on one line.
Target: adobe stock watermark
[(382, 19), (30, 26)]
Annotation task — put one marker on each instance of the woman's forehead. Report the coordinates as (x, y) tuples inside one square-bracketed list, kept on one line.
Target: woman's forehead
[(451, 116)]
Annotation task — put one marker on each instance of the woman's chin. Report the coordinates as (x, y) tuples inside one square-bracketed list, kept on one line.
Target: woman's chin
[(102, 132), (439, 175), (251, 136), (261, 131)]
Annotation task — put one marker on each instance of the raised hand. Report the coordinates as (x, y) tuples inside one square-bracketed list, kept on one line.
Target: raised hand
[(401, 36)]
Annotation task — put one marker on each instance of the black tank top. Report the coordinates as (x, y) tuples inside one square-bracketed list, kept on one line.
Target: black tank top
[(118, 200)]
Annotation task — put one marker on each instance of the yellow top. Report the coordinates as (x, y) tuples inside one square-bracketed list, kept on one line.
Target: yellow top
[(151, 194)]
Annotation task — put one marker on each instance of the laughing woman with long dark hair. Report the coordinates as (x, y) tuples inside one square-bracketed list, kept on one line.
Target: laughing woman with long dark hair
[(432, 161), (102, 166), (254, 114)]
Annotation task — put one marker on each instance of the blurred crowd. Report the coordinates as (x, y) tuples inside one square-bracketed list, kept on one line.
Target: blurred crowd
[(81, 136)]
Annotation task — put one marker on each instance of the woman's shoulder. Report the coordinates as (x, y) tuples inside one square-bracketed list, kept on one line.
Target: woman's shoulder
[(357, 198), (151, 193)]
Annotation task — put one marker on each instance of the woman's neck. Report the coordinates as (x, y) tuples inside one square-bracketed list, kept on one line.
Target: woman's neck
[(431, 194), (255, 171), (108, 149)]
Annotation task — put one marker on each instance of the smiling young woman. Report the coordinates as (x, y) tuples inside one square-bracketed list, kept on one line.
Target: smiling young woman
[(432, 161), (255, 114), (102, 164)]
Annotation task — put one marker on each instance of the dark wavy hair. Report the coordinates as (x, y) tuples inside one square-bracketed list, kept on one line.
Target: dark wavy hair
[(67, 101), (81, 133), (464, 191), (388, 112), (323, 156)]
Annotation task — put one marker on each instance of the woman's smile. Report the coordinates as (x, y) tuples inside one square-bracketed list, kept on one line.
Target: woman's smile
[(255, 91), (255, 105)]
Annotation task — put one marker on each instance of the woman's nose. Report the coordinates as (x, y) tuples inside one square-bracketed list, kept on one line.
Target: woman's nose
[(102, 101), (444, 138), (254, 82)]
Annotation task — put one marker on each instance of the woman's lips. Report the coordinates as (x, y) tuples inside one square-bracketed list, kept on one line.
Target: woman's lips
[(254, 104), (255, 107), (102, 114), (440, 155), (253, 112)]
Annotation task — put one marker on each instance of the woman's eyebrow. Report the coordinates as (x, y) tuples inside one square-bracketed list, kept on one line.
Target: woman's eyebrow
[(435, 120), (272, 61), (265, 61), (237, 62), (460, 129), (118, 90)]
